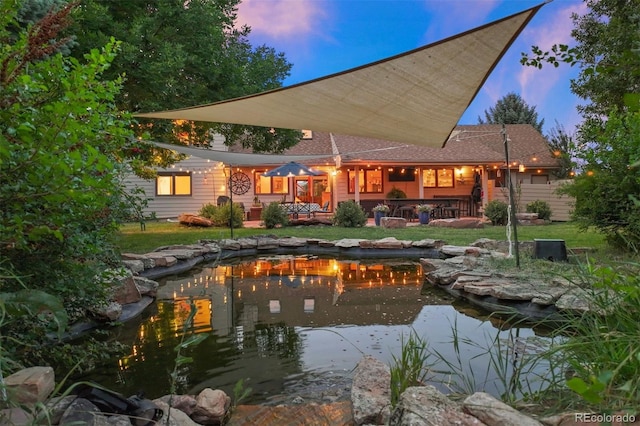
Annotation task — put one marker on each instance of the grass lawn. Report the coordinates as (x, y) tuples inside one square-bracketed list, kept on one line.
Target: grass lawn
[(132, 240)]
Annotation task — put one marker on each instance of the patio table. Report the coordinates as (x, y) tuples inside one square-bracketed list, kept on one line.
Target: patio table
[(295, 209)]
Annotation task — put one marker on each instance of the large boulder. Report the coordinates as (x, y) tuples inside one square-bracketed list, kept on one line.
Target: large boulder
[(393, 222), (462, 223), (424, 405), (371, 392), (494, 412), (31, 385), (194, 220), (212, 406)]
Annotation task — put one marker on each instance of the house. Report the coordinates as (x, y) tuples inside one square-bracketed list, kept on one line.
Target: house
[(366, 170)]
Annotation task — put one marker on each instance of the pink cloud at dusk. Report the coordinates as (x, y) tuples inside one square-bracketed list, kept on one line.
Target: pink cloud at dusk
[(280, 19), (536, 83)]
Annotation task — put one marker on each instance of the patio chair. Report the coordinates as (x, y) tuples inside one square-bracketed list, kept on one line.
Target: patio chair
[(324, 209)]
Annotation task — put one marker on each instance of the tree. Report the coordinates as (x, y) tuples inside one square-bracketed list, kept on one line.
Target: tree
[(178, 54), (512, 109), (62, 198), (606, 193), (607, 40), (562, 147)]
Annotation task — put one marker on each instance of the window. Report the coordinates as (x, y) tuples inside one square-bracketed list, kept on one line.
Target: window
[(539, 179), (402, 174), (369, 180), (173, 183), (438, 178), (270, 185)]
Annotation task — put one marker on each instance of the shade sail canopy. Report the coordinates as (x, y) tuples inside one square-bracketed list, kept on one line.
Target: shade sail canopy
[(293, 169), (244, 159), (415, 97)]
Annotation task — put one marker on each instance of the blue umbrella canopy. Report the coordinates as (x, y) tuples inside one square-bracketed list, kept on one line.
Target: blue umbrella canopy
[(292, 169)]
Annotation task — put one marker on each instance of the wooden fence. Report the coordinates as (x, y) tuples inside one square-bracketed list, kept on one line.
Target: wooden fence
[(561, 206)]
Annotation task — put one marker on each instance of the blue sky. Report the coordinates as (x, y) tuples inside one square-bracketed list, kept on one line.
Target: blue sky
[(322, 37)]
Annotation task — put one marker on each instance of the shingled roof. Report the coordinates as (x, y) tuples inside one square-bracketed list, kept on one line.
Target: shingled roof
[(469, 145)]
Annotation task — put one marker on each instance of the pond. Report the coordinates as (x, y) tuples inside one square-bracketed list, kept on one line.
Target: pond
[(292, 326)]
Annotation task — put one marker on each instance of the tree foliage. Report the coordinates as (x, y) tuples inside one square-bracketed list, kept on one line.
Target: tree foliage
[(607, 40), (562, 147), (61, 162), (180, 54), (606, 193), (606, 52), (512, 109)]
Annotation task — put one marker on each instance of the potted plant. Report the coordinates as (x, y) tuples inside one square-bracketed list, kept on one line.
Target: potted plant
[(424, 211), (379, 212), (256, 201)]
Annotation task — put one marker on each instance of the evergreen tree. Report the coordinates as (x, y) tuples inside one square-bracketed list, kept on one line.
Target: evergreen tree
[(512, 109)]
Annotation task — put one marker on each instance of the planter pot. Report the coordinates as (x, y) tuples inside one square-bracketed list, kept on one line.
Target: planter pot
[(423, 217), (377, 216)]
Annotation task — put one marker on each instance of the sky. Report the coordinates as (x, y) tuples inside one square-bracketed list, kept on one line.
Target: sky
[(322, 37)]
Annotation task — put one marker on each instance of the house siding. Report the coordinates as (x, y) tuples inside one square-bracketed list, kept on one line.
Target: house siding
[(207, 182)]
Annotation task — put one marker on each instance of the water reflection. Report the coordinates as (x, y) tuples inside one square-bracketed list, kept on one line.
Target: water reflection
[(288, 325)]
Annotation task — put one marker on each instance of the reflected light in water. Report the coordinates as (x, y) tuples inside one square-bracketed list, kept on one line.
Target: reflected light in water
[(283, 317)]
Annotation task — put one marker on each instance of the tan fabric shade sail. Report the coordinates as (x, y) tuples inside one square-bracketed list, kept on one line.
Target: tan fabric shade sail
[(416, 97)]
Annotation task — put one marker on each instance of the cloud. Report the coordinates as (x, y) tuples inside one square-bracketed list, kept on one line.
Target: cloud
[(282, 19), (453, 16), (555, 28)]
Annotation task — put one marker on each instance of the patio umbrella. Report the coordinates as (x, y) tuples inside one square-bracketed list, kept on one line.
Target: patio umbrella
[(292, 169)]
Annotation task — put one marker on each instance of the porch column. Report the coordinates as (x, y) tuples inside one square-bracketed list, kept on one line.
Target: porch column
[(420, 186), (357, 184)]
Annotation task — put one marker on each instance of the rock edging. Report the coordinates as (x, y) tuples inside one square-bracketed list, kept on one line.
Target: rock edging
[(469, 276)]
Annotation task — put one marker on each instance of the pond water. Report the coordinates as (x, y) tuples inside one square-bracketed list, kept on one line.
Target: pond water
[(297, 326)]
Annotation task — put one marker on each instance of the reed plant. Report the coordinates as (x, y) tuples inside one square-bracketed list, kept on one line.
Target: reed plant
[(602, 349), (505, 364), (591, 360), (411, 367)]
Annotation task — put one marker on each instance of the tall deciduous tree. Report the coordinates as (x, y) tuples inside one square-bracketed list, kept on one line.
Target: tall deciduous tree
[(607, 41), (606, 51), (178, 54), (61, 140), (512, 109)]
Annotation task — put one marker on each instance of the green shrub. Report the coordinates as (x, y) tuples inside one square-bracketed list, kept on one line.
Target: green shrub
[(541, 207), (497, 212), (273, 215), (350, 215), (220, 215), (208, 211), (396, 193)]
